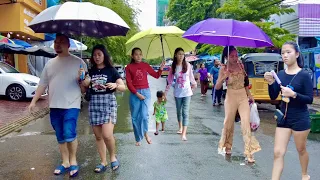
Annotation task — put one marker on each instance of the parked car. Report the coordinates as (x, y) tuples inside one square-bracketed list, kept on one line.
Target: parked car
[(120, 70), (156, 68), (165, 71), (15, 85)]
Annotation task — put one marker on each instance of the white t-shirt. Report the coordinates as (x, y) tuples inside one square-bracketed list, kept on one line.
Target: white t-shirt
[(60, 74), (182, 86)]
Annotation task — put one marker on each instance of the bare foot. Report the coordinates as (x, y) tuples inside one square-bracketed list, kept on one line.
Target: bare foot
[(138, 144), (305, 177), (148, 139)]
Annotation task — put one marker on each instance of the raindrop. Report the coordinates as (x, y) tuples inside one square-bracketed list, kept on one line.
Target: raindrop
[(54, 26), (33, 168), (82, 24), (43, 25), (95, 31), (106, 27), (242, 164)]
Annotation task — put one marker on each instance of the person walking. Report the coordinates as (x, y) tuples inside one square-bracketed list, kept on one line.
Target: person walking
[(181, 70), (237, 98), (160, 111), (103, 81), (204, 81), (214, 74), (297, 91), (61, 74), (137, 82)]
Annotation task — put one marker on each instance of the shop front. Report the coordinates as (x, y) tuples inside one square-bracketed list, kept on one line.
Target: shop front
[(15, 17)]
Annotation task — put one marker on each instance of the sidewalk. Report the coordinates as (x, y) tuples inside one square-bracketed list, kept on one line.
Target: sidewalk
[(14, 115)]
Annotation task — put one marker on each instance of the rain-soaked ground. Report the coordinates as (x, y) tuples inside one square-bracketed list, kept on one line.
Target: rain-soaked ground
[(33, 153)]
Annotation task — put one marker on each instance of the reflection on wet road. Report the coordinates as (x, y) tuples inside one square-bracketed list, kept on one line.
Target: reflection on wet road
[(32, 153)]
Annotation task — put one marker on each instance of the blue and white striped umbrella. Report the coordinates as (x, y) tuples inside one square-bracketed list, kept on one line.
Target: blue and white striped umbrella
[(74, 45)]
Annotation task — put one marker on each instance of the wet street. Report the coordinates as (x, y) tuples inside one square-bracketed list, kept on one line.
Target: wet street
[(33, 153)]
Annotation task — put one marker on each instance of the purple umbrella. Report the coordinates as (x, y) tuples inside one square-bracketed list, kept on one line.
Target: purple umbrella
[(228, 32)]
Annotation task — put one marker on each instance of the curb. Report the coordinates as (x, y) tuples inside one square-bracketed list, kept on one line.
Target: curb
[(18, 124)]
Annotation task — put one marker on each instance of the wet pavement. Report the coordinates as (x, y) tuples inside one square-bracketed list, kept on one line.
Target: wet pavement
[(13, 110), (33, 153)]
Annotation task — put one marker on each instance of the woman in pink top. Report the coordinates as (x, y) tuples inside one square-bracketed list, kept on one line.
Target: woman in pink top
[(185, 83)]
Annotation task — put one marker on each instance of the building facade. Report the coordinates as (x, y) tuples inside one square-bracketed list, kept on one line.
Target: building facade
[(161, 9), (15, 16)]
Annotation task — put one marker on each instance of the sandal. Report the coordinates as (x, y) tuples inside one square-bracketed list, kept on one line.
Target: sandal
[(228, 151), (184, 139), (115, 164), (179, 132), (100, 168), (156, 133), (251, 160), (74, 168), (62, 170)]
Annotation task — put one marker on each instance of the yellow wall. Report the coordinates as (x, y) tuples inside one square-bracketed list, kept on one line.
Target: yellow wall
[(22, 63), (15, 17)]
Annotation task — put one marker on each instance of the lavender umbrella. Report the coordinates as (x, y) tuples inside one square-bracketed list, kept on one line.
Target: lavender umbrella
[(228, 32)]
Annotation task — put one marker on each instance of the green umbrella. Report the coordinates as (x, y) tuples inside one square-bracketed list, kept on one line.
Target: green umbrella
[(159, 41)]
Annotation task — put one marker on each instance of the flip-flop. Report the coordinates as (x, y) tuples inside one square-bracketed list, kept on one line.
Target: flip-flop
[(114, 164), (101, 168), (179, 132), (156, 133), (74, 168), (62, 170)]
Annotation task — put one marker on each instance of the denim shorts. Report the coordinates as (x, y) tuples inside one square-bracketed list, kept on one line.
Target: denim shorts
[(64, 122)]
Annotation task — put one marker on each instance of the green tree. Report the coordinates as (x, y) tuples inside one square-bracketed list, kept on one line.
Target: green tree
[(115, 45), (257, 11), (185, 13)]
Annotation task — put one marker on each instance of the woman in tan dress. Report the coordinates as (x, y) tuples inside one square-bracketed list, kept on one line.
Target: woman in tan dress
[(237, 99)]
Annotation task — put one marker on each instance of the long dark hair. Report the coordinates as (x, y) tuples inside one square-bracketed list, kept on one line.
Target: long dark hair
[(107, 60), (175, 60), (132, 53), (295, 46), (225, 53)]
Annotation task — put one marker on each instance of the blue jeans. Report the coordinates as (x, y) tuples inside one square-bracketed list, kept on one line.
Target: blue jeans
[(216, 95), (64, 122), (182, 105), (140, 113)]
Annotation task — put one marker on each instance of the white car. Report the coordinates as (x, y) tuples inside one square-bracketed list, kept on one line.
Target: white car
[(15, 85)]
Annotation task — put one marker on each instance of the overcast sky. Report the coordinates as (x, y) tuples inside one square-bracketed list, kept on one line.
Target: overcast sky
[(147, 16)]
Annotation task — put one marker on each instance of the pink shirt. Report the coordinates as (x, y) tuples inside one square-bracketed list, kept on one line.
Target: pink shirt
[(182, 87)]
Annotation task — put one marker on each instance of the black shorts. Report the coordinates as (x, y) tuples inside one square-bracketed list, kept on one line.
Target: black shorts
[(296, 125)]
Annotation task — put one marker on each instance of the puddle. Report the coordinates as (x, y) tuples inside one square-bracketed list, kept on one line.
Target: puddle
[(30, 134)]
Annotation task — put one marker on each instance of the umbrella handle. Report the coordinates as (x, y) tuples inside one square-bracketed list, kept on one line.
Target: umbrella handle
[(163, 58)]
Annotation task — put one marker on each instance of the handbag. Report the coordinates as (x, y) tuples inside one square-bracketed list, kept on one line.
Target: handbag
[(278, 114)]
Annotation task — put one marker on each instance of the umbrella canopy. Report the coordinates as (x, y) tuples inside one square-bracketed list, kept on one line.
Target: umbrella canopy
[(228, 32), (5, 40), (74, 45), (17, 49), (9, 48), (79, 18), (159, 41), (21, 43)]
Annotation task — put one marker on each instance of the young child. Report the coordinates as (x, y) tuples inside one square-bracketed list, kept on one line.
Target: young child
[(160, 111)]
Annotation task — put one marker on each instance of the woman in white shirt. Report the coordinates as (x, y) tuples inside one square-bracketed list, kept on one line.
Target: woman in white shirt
[(181, 70)]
